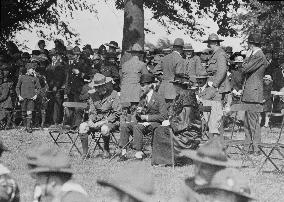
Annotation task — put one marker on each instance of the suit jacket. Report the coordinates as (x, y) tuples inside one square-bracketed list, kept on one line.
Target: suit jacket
[(27, 86), (170, 64), (156, 108), (253, 70), (192, 67), (130, 81), (217, 67)]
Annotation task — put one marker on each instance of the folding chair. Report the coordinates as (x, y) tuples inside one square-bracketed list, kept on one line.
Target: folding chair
[(240, 144), (204, 124), (273, 146), (63, 130)]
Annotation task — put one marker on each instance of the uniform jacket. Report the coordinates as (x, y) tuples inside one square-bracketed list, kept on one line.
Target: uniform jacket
[(192, 67), (156, 108), (170, 65), (107, 108), (27, 86), (110, 70), (217, 67), (5, 95), (253, 70), (131, 73)]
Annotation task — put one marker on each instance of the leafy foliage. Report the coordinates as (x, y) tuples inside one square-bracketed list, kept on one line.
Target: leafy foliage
[(17, 15)]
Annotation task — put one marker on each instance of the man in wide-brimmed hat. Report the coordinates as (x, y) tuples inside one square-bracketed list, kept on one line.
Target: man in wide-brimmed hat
[(27, 90), (254, 67), (9, 190), (170, 64), (112, 46), (218, 84), (51, 168), (132, 184), (103, 113), (151, 112)]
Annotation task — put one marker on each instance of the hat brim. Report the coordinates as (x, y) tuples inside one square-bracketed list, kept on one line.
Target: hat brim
[(207, 41), (210, 187), (192, 154), (179, 82), (110, 45), (126, 189), (108, 79), (50, 170), (134, 51)]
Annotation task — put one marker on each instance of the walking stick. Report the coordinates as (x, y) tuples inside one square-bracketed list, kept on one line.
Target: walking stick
[(172, 147)]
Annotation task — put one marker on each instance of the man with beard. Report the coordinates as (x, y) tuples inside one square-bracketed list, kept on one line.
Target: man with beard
[(103, 112), (150, 113)]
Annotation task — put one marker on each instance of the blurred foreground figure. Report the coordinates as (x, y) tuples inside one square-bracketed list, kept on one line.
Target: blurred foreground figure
[(9, 191), (131, 185), (52, 171)]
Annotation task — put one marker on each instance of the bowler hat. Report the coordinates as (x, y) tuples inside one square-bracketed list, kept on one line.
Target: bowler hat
[(147, 78), (136, 48), (113, 44), (87, 46), (188, 47), (181, 78), (254, 38), (41, 42), (210, 153), (48, 159), (135, 182), (230, 180), (25, 55), (59, 41), (213, 37), (178, 42), (99, 80)]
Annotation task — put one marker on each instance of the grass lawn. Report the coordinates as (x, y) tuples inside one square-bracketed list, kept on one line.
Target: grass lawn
[(265, 186)]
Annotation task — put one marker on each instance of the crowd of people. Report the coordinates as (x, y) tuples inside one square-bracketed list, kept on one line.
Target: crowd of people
[(162, 94)]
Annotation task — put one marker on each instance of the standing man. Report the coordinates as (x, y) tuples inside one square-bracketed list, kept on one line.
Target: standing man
[(253, 69), (217, 85), (170, 64)]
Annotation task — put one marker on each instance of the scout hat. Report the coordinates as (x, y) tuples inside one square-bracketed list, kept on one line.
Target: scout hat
[(76, 50), (99, 80), (135, 182), (239, 59), (230, 180), (210, 153), (181, 78), (147, 78), (267, 77), (46, 159), (136, 48), (178, 42), (254, 38), (213, 37), (187, 47), (113, 44)]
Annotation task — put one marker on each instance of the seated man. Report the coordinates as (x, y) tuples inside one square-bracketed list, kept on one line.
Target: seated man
[(183, 128), (103, 112), (151, 112)]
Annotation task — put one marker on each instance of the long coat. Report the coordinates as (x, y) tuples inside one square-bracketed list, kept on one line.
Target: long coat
[(218, 68), (130, 81), (253, 70), (170, 65)]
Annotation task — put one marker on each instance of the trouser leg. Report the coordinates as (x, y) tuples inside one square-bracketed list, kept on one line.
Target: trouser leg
[(138, 131), (125, 130)]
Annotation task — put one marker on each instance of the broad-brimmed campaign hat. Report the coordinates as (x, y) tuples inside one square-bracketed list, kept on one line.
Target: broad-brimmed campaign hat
[(99, 80), (178, 42), (136, 48), (48, 159), (213, 37), (230, 180), (211, 152), (188, 47), (135, 182), (113, 44), (180, 79)]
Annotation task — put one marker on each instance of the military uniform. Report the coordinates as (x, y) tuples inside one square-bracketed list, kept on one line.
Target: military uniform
[(6, 104)]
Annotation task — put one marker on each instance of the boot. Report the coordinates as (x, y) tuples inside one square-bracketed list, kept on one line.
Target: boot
[(85, 146), (28, 124), (106, 147)]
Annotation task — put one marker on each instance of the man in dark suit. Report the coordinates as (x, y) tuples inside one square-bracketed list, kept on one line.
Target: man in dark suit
[(170, 64), (253, 69), (151, 112)]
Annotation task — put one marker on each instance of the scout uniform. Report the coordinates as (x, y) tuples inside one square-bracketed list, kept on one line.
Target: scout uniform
[(103, 113), (9, 190), (27, 90), (48, 161)]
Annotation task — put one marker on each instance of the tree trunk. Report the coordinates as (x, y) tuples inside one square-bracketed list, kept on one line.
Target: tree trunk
[(133, 28)]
